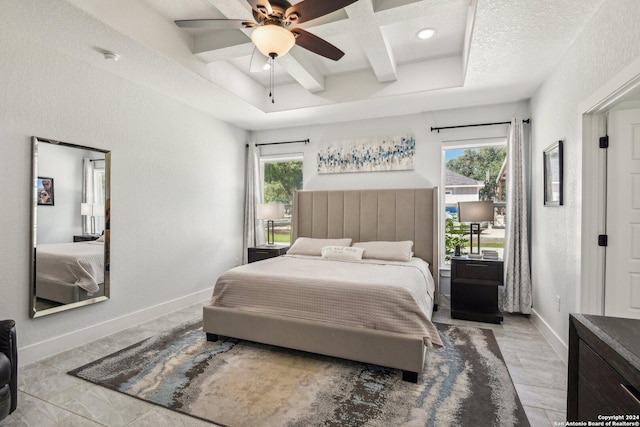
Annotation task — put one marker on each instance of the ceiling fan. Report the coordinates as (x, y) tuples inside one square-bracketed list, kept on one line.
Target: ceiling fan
[(272, 35)]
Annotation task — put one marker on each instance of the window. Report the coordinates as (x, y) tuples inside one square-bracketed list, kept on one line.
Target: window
[(473, 172), (282, 176)]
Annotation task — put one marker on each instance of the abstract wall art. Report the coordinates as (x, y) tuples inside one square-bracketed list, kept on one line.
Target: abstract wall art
[(367, 155)]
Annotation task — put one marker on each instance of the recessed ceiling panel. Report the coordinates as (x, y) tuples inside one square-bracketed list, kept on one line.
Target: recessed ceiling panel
[(447, 41)]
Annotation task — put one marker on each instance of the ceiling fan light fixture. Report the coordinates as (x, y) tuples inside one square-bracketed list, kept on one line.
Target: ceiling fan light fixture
[(426, 33), (273, 39)]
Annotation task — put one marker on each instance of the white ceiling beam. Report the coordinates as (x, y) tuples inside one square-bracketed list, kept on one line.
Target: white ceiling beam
[(233, 9), (299, 66), (371, 40)]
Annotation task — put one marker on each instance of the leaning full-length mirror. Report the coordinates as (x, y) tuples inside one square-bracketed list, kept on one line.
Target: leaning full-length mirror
[(70, 226)]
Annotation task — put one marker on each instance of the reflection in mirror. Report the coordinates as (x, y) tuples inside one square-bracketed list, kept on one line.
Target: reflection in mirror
[(70, 226)]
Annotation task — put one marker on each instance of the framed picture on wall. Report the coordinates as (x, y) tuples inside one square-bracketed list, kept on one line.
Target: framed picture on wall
[(552, 164), (45, 191)]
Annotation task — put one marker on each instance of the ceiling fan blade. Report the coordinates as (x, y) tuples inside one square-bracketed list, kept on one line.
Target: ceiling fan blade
[(263, 7), (213, 24), (258, 61), (316, 45), (307, 10)]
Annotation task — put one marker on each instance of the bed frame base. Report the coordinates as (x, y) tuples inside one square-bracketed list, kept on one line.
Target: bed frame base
[(389, 349)]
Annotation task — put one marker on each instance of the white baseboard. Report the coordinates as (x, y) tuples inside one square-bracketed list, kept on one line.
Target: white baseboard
[(55, 345), (558, 345)]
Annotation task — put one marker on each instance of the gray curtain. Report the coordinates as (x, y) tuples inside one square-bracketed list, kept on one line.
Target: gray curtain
[(93, 192), (87, 192), (253, 230), (516, 293)]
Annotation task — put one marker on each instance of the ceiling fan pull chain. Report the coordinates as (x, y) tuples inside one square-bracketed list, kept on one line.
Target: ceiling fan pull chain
[(272, 89)]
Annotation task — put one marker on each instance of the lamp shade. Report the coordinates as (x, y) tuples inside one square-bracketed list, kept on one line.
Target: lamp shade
[(270, 211), (273, 39), (475, 211)]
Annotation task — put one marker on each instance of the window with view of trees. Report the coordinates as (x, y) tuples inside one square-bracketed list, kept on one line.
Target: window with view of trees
[(282, 177), (472, 174)]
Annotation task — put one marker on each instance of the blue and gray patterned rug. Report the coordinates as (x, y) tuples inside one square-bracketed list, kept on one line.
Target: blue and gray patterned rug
[(239, 383)]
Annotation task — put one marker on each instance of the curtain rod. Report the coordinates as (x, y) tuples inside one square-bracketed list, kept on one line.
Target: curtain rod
[(479, 124), (306, 141)]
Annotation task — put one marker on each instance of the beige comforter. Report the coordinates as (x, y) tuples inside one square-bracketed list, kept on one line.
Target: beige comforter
[(384, 295)]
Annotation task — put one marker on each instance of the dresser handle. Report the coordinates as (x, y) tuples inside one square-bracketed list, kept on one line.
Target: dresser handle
[(631, 390), (477, 265)]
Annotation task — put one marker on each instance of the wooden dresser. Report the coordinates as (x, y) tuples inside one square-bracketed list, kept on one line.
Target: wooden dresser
[(604, 369)]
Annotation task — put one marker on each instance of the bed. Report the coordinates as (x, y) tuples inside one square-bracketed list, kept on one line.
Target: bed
[(70, 272), (338, 328)]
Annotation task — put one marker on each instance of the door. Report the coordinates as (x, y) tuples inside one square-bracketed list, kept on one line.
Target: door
[(622, 280)]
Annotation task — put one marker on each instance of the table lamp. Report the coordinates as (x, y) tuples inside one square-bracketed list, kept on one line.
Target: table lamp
[(93, 210), (270, 212), (475, 213)]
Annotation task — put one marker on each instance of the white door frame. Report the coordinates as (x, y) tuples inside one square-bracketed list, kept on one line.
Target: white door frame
[(592, 116)]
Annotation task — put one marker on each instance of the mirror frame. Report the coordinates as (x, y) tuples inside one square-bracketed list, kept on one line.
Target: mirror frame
[(33, 312)]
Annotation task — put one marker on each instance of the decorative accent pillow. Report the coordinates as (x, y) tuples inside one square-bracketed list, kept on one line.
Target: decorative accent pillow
[(342, 253), (388, 251), (311, 246)]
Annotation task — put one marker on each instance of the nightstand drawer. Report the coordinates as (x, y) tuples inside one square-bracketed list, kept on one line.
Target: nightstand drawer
[(85, 238), (259, 253), (478, 270)]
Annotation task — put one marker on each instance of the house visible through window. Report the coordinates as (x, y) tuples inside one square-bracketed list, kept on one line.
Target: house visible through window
[(474, 173), (282, 176)]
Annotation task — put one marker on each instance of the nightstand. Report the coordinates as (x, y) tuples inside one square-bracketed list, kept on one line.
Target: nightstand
[(85, 237), (258, 253), (474, 289)]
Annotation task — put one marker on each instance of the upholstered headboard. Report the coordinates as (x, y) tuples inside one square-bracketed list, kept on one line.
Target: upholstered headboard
[(368, 215)]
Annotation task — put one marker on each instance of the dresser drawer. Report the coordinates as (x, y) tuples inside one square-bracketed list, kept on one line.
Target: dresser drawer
[(601, 390), (478, 270)]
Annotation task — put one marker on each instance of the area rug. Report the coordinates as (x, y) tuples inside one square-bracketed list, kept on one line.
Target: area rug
[(239, 383)]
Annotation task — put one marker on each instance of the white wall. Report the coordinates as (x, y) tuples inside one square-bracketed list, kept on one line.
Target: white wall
[(608, 43), (60, 222), (177, 184), (428, 159)]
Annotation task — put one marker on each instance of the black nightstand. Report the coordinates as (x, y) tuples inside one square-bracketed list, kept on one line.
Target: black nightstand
[(258, 253), (474, 289), (85, 237)]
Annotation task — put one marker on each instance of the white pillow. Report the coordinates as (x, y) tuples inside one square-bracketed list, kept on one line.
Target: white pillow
[(311, 246), (100, 239), (342, 253), (388, 251)]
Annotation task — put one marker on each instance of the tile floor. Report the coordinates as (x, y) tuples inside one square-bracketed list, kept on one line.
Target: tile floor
[(538, 373), (50, 397)]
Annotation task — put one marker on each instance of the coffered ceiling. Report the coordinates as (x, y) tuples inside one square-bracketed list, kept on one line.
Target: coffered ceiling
[(483, 52)]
